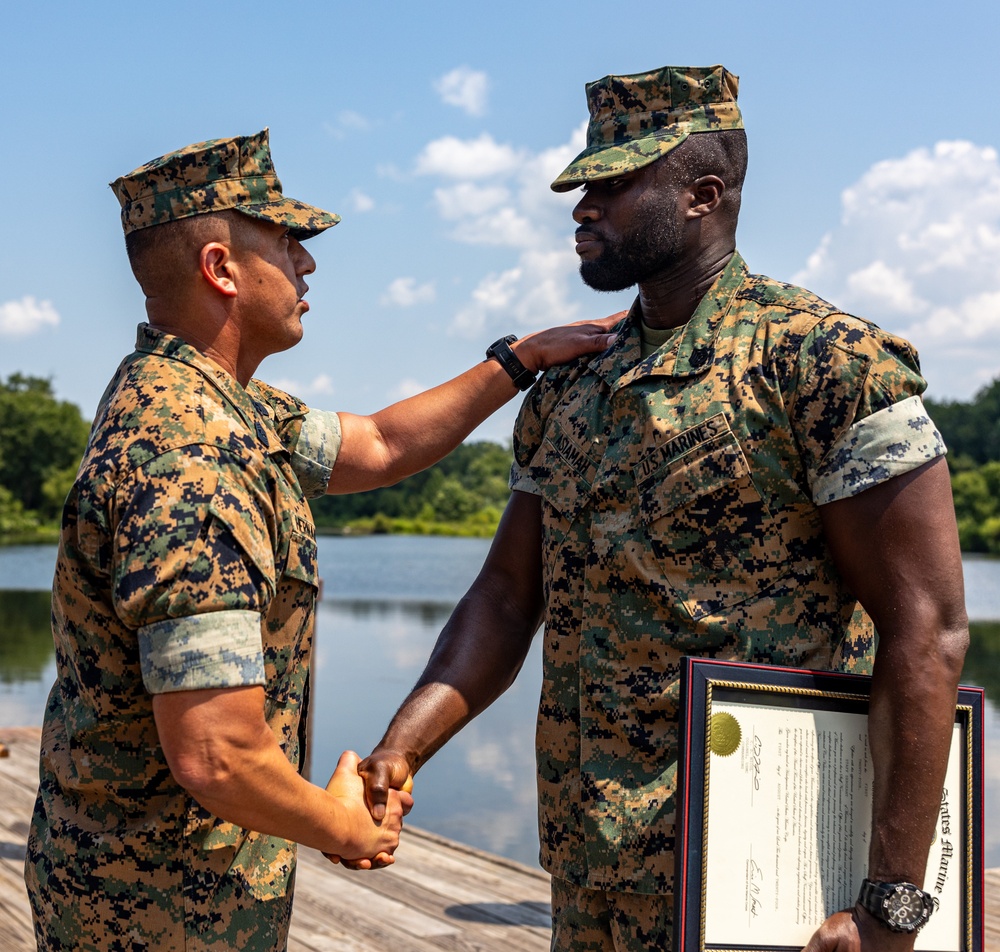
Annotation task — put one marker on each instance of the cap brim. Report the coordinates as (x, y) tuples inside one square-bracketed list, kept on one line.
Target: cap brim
[(607, 161), (302, 220)]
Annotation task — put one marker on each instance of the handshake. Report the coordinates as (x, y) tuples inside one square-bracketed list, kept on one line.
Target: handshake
[(374, 796)]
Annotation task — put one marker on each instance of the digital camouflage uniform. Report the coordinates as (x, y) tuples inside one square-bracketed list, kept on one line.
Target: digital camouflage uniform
[(680, 498), (187, 560)]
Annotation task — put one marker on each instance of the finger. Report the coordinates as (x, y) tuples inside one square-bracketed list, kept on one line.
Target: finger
[(349, 761), (332, 858), (356, 864), (378, 782)]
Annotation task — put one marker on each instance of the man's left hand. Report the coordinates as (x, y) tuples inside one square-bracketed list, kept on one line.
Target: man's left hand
[(854, 930)]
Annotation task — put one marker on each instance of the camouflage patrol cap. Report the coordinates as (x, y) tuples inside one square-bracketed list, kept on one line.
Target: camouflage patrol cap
[(636, 119), (213, 176)]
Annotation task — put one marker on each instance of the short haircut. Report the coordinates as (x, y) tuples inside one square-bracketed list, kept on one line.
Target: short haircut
[(160, 252), (715, 153)]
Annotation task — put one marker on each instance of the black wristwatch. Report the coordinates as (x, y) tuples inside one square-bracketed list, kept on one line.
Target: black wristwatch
[(901, 907), (500, 351)]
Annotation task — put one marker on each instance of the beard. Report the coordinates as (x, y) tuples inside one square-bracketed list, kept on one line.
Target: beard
[(654, 244)]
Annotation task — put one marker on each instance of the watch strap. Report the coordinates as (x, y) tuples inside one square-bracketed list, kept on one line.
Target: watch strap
[(872, 897), (501, 352)]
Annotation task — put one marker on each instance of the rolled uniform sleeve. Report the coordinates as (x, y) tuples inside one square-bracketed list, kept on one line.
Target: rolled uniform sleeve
[(857, 411), (312, 437), (316, 451), (193, 569)]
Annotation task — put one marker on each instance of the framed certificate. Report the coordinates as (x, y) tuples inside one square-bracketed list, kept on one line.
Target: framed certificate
[(774, 810)]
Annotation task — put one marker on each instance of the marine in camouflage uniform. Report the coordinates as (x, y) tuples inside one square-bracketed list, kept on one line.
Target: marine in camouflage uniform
[(186, 580), (680, 516), (677, 484), (187, 561)]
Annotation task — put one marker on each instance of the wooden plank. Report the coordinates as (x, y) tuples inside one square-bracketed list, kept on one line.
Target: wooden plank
[(991, 910), (449, 897), (440, 896)]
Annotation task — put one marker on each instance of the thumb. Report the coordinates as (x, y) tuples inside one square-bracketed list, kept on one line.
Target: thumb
[(347, 769)]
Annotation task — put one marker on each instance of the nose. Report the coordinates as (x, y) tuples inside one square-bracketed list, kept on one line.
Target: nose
[(586, 210), (305, 263)]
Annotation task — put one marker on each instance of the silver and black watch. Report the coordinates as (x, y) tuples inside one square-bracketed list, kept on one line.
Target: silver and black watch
[(500, 351), (901, 907)]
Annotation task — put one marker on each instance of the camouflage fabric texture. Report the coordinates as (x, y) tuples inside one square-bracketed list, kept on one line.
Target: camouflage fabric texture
[(187, 559), (591, 920), (213, 176), (679, 518), (636, 119)]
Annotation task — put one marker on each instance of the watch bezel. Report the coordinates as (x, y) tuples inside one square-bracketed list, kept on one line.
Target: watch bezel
[(501, 352), (877, 897)]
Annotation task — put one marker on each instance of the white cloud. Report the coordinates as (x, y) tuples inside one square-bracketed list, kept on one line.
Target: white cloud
[(361, 201), (407, 387), (532, 295), (916, 251), (459, 201), (493, 295), (504, 226), (349, 123), (886, 285), (320, 386), (468, 159), (27, 316), (517, 211), (466, 88), (405, 292)]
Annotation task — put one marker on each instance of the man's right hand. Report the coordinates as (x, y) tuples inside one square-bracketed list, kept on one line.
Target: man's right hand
[(366, 843), (557, 345), (384, 771)]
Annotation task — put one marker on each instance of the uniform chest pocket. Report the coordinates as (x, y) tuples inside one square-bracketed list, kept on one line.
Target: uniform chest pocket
[(302, 560), (563, 473), (709, 529)]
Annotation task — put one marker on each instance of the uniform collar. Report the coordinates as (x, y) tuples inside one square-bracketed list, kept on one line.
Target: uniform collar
[(149, 340), (687, 355)]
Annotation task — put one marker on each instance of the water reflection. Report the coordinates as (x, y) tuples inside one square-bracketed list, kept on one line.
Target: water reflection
[(480, 788), (25, 637)]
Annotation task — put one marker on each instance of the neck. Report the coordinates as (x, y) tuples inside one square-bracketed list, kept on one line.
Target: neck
[(669, 299), (211, 335)]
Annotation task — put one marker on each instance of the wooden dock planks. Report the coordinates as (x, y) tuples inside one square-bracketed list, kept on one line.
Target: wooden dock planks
[(440, 895)]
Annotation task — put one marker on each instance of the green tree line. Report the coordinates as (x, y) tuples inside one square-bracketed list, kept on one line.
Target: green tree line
[(972, 433), (42, 439)]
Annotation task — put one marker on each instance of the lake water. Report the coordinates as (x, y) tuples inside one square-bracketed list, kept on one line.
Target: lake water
[(385, 598)]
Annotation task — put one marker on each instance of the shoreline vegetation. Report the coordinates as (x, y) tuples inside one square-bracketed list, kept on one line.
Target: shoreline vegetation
[(42, 440)]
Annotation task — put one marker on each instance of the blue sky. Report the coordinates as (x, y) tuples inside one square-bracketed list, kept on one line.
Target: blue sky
[(434, 129)]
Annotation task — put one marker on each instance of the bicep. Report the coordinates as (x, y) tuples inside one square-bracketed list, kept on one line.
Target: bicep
[(896, 546), (362, 460), (513, 567), (203, 732)]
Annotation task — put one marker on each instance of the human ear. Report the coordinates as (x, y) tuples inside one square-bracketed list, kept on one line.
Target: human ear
[(215, 265), (706, 195)]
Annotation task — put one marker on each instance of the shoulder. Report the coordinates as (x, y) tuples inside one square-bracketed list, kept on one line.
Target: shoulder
[(155, 405), (801, 324)]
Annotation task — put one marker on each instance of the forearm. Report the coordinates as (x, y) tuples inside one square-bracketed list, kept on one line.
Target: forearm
[(222, 752), (479, 651), (254, 786), (911, 718), (411, 435), (896, 546), (477, 657), (415, 433)]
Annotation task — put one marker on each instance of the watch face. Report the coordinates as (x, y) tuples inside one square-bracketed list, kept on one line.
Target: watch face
[(905, 909)]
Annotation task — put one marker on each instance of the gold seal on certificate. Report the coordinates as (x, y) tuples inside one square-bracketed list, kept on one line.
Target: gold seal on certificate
[(725, 734)]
